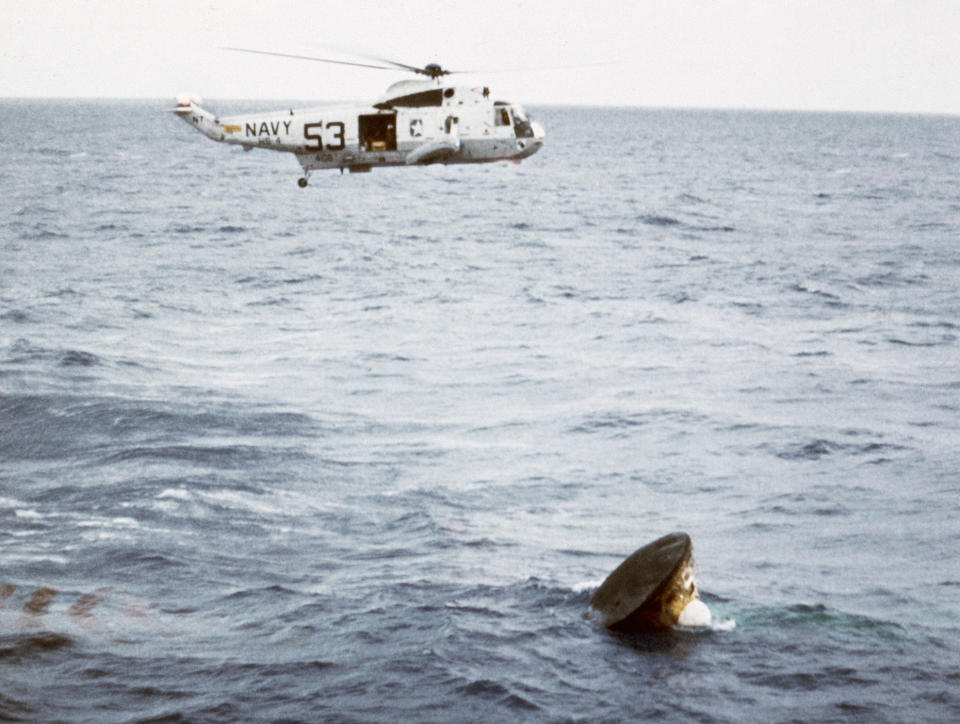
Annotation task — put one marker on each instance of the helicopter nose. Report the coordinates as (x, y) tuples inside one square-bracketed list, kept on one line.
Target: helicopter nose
[(538, 131)]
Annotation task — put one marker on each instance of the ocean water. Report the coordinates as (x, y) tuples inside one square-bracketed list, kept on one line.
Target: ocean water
[(362, 452)]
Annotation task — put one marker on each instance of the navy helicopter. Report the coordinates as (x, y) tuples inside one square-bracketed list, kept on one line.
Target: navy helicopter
[(415, 122)]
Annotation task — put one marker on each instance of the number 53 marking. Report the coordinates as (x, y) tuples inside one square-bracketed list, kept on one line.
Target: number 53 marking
[(312, 131)]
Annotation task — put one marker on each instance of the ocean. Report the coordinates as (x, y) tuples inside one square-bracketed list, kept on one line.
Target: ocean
[(361, 452)]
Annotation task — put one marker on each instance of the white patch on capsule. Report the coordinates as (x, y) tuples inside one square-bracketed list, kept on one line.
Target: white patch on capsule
[(695, 614)]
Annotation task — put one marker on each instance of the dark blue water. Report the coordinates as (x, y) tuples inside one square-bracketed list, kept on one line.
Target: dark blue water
[(361, 452)]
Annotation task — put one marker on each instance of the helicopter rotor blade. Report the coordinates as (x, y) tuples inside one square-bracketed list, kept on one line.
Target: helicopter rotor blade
[(310, 57), (432, 69), (537, 68), (395, 64), (426, 69)]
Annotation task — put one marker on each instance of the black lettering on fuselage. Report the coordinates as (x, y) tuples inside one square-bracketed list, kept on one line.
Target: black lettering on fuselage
[(267, 129), (341, 143), (311, 132)]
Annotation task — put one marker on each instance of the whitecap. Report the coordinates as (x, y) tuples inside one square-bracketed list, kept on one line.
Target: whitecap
[(586, 586), (243, 501), (102, 522), (34, 558)]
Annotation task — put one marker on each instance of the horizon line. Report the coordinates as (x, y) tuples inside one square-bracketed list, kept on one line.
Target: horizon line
[(546, 104)]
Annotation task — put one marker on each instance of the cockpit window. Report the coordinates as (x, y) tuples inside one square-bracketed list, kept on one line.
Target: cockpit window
[(521, 123), (501, 116)]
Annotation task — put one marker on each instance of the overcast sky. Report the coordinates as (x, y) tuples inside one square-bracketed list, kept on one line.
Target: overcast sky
[(869, 55)]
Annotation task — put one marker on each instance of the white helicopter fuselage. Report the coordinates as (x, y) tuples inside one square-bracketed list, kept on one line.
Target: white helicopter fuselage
[(414, 123)]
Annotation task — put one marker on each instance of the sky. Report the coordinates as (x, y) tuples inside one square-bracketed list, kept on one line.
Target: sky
[(846, 55)]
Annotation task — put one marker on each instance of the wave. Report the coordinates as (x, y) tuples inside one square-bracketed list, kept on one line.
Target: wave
[(947, 339), (52, 151), (41, 233), (820, 447), (17, 316), (814, 291), (486, 689), (619, 423), (20, 649), (108, 430), (656, 220), (223, 457), (802, 615), (185, 229), (892, 279), (77, 358), (22, 351)]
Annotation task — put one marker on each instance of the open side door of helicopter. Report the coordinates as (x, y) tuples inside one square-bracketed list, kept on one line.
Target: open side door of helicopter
[(378, 132)]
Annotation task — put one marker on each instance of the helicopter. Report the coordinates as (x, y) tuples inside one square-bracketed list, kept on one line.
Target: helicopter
[(414, 123)]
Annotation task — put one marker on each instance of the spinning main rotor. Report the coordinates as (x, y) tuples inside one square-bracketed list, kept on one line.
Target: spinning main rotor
[(432, 70)]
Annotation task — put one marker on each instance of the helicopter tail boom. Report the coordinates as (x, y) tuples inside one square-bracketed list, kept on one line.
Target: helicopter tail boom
[(189, 110)]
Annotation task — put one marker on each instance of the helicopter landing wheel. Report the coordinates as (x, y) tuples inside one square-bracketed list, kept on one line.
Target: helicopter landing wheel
[(302, 182)]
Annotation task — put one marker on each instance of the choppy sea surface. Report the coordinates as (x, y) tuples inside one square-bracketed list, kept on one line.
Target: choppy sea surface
[(362, 452)]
